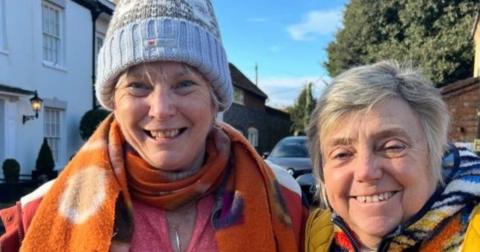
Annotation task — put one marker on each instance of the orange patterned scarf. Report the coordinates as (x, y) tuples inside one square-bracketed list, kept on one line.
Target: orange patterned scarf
[(79, 211), (155, 188)]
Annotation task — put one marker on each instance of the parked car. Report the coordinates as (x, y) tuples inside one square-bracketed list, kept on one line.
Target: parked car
[(308, 187), (305, 182), (291, 153)]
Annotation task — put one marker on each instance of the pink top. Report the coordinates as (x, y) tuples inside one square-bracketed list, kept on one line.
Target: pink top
[(151, 228)]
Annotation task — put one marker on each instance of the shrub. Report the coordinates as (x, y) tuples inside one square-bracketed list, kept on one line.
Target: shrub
[(11, 170), (45, 158), (90, 121), (45, 164)]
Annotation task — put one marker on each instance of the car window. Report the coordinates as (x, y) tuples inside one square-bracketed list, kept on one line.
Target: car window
[(290, 147)]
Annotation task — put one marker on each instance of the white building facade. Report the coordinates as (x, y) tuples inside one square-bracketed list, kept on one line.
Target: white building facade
[(47, 46)]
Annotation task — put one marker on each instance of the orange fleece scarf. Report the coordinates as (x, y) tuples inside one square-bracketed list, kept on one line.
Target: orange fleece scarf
[(78, 213), (149, 185)]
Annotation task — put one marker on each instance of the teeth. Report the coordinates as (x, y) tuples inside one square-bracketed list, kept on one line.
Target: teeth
[(375, 198), (164, 133)]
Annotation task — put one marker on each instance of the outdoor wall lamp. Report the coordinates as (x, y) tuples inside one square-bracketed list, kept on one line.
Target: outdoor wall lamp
[(36, 106)]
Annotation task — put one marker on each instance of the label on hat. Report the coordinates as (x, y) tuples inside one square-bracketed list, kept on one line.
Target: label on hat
[(160, 42)]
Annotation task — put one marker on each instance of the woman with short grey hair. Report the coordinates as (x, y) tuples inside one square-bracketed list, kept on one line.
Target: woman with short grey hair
[(161, 173), (377, 137)]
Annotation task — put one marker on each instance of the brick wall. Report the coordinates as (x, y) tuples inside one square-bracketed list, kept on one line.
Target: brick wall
[(253, 101), (271, 124), (463, 100)]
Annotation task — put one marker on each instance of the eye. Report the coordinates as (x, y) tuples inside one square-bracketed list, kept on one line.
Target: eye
[(341, 154), (185, 86), (139, 89), (185, 83), (393, 148)]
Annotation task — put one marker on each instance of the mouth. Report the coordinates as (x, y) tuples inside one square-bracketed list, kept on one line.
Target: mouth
[(165, 133), (375, 198)]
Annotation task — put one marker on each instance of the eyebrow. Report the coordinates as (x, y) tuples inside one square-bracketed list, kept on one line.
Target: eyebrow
[(389, 132)]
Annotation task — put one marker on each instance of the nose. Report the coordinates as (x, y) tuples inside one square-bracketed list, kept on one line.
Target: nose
[(162, 104), (368, 167)]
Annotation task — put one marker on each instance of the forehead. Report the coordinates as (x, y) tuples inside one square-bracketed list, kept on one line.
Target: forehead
[(161, 68), (393, 116)]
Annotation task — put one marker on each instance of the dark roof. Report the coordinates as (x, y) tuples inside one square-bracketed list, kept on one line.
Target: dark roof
[(277, 112), (15, 90), (241, 81), (459, 85)]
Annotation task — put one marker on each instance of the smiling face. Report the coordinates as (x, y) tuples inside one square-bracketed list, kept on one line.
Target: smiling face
[(165, 111), (376, 169)]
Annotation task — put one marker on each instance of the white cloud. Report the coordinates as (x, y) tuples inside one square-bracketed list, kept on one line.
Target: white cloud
[(283, 91), (316, 23), (258, 19)]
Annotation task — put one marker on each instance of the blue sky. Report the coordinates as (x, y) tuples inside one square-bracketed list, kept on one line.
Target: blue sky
[(288, 40)]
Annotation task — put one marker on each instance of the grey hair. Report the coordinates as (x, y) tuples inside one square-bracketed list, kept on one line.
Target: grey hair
[(360, 88), (124, 75)]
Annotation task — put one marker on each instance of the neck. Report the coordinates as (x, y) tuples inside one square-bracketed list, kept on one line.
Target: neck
[(367, 249), (369, 243), (181, 223), (179, 175), (194, 169)]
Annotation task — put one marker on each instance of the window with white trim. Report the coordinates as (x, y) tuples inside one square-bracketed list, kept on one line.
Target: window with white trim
[(253, 136), (238, 96), (52, 25), (3, 32), (51, 129)]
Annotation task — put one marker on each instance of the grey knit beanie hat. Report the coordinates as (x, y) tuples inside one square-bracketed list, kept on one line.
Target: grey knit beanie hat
[(163, 30)]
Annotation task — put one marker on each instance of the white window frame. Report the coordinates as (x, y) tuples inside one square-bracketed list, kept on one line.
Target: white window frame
[(253, 136), (59, 133), (238, 96), (3, 27), (53, 38)]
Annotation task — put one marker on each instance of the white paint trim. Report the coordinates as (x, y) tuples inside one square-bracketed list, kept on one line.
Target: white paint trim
[(55, 103), (60, 3), (54, 67), (11, 124), (62, 148), (61, 53)]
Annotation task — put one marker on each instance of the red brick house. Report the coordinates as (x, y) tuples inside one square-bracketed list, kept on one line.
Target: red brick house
[(463, 100)]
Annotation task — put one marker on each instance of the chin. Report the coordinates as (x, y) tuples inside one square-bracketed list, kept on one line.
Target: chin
[(377, 226)]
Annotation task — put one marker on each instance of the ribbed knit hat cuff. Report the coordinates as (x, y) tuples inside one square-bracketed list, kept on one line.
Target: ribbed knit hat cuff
[(163, 39)]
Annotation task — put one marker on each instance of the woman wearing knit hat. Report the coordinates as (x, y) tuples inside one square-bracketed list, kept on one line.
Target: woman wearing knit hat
[(160, 173)]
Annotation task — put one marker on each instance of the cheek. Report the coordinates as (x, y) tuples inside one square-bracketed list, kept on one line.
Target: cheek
[(413, 172), (128, 110), (337, 186), (198, 106)]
